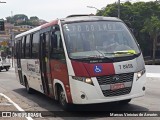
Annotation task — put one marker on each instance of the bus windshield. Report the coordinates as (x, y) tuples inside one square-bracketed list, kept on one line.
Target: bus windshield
[(99, 39)]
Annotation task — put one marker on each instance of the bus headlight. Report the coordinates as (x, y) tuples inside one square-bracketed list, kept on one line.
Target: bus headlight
[(140, 73), (83, 79)]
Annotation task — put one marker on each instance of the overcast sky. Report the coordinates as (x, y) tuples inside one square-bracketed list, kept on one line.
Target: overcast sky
[(52, 9)]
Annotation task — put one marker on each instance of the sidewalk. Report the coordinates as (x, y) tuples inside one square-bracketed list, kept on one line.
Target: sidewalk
[(7, 109), (5, 105), (153, 71)]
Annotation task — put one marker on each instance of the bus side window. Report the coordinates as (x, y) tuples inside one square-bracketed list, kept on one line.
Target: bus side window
[(22, 51), (53, 41), (27, 55), (57, 51), (23, 46), (14, 49), (35, 45)]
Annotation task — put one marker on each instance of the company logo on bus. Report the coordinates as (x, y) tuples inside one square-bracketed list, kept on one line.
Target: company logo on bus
[(115, 78), (98, 69)]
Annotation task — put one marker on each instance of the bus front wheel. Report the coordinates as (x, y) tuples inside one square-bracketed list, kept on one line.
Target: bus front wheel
[(62, 99)]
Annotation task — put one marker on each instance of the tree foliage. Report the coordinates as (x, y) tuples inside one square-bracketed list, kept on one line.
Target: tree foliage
[(152, 26), (142, 17), (21, 19)]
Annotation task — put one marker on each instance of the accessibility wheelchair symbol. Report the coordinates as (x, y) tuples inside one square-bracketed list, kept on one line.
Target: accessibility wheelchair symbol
[(98, 69)]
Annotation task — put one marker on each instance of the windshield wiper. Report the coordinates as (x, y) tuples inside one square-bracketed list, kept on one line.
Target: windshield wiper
[(126, 52), (133, 52), (94, 58)]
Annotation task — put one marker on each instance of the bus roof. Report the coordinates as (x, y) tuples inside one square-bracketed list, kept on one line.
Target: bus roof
[(88, 18), (29, 31), (37, 28)]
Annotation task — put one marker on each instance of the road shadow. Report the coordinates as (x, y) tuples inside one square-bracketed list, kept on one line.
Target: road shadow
[(40, 99), (94, 110)]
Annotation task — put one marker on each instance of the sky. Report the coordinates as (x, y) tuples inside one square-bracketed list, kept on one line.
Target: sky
[(53, 9)]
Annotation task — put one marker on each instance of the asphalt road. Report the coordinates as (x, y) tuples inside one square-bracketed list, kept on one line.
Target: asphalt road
[(10, 86)]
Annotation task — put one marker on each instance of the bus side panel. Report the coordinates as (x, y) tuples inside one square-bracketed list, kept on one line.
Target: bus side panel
[(16, 69), (30, 69), (59, 71)]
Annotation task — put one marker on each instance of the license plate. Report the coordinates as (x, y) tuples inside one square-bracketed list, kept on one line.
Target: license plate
[(117, 86)]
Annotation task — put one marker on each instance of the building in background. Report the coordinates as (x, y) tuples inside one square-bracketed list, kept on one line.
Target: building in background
[(7, 36)]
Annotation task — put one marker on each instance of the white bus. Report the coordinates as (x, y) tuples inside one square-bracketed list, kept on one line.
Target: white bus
[(81, 60)]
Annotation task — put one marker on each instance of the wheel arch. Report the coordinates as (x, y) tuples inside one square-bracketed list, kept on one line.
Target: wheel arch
[(57, 84)]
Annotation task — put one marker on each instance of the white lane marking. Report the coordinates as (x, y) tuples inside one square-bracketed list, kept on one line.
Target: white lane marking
[(19, 108), (155, 75)]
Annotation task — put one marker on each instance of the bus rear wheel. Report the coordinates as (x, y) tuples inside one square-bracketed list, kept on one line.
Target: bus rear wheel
[(62, 99), (7, 68), (29, 90)]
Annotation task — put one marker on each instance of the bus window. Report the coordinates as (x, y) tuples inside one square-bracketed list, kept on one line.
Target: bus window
[(27, 47), (46, 43), (57, 51), (23, 46), (35, 45)]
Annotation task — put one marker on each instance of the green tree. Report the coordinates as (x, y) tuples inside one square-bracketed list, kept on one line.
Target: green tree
[(152, 26), (20, 19), (34, 21), (10, 20), (34, 18)]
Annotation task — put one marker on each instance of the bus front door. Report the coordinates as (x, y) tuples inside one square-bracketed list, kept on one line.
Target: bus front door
[(44, 64)]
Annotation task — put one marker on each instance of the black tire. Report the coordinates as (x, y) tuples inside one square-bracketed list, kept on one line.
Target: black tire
[(0, 69), (125, 101), (7, 69), (29, 90), (62, 99)]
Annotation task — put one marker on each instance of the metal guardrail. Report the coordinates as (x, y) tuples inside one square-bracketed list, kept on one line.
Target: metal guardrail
[(150, 62), (147, 58)]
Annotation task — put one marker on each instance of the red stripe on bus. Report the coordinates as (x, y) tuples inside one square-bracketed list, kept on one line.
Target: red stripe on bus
[(88, 69), (54, 22), (59, 71), (79, 69)]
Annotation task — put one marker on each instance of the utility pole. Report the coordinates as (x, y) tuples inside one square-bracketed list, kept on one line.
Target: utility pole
[(118, 8), (12, 44), (93, 7)]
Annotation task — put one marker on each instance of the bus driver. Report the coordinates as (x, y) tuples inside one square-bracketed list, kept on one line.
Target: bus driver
[(110, 43)]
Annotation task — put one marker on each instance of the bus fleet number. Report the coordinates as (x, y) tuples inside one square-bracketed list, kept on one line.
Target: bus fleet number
[(126, 66)]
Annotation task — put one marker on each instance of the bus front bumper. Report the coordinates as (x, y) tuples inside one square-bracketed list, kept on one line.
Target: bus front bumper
[(83, 93)]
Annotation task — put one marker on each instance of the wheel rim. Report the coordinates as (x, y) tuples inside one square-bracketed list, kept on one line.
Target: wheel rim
[(62, 97)]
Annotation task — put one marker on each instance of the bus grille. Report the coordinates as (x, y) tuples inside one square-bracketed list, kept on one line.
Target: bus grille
[(106, 81)]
